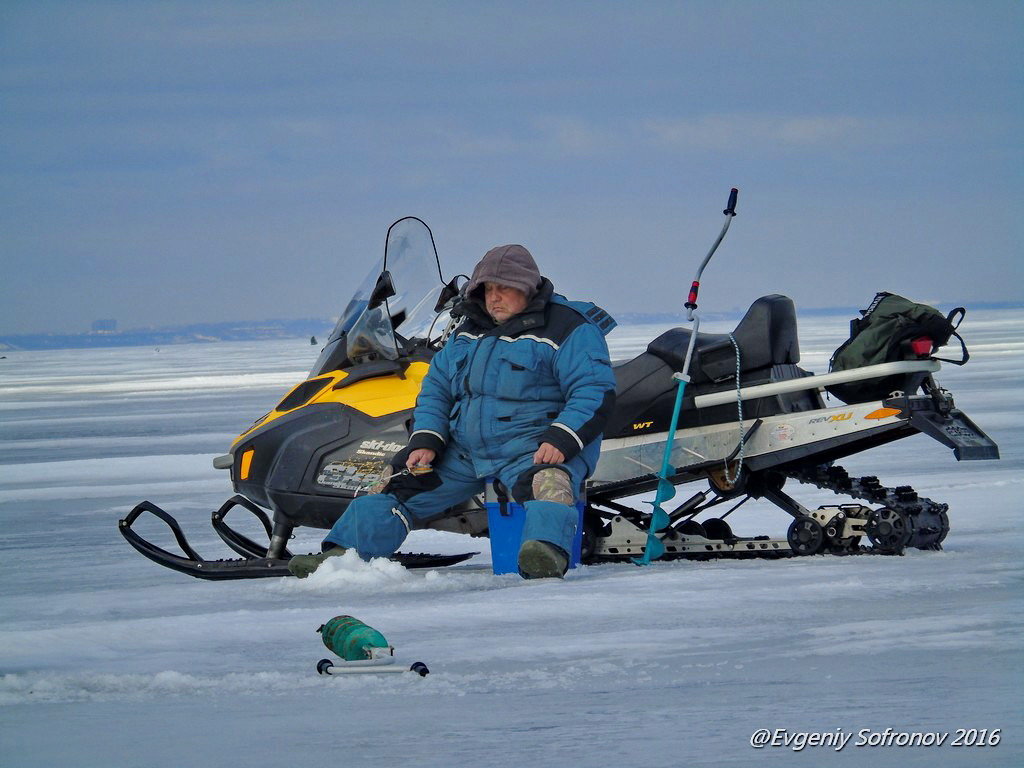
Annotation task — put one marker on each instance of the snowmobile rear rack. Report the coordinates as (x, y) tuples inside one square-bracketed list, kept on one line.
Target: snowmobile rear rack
[(817, 382), (248, 567)]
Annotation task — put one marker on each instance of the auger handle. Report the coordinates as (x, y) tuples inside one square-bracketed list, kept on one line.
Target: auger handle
[(730, 208), (730, 211)]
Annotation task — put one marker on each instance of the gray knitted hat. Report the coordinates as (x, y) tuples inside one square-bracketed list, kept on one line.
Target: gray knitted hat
[(510, 265)]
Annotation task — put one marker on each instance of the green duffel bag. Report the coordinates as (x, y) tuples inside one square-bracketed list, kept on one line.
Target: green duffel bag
[(885, 333)]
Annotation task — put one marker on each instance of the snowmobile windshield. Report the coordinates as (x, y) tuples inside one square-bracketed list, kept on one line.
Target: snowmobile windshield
[(394, 303), (411, 258)]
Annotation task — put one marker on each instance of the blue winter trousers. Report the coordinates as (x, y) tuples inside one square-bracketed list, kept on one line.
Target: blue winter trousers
[(377, 524)]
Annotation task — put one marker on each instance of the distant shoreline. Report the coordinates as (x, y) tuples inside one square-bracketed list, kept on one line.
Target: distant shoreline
[(320, 329), (199, 333)]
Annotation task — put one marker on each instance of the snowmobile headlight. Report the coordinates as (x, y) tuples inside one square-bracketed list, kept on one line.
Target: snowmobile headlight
[(243, 471)]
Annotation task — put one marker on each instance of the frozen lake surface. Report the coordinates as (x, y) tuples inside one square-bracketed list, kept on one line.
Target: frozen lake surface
[(107, 659)]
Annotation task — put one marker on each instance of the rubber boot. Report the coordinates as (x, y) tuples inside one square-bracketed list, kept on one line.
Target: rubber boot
[(541, 560), (303, 565)]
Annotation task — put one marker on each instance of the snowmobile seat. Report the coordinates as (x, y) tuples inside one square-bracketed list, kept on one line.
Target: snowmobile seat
[(766, 336), (638, 371)]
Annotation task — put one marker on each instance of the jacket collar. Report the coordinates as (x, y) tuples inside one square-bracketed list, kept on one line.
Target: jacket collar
[(530, 318)]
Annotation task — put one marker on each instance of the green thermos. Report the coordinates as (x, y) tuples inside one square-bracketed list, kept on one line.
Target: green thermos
[(353, 640)]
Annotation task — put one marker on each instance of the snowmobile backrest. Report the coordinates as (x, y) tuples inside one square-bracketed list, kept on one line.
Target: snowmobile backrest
[(766, 336)]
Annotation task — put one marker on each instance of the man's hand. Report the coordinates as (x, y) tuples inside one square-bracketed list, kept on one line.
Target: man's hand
[(421, 457), (548, 454)]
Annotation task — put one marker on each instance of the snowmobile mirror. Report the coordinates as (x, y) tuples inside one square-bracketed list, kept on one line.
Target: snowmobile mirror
[(384, 289), (398, 318), (449, 292)]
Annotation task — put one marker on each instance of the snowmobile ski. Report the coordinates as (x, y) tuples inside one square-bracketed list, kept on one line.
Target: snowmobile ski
[(193, 564)]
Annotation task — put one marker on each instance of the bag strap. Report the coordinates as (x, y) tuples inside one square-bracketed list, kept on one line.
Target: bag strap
[(953, 313), (963, 348), (959, 313)]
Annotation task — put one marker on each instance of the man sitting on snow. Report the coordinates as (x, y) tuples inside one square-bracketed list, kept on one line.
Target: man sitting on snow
[(520, 392)]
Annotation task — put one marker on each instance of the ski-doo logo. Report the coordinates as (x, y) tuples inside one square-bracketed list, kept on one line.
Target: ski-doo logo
[(834, 417), (643, 425), (380, 445)]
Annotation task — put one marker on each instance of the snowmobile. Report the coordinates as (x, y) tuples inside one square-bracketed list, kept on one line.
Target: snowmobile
[(752, 421)]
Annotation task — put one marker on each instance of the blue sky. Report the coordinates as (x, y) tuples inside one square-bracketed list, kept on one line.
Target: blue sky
[(182, 162)]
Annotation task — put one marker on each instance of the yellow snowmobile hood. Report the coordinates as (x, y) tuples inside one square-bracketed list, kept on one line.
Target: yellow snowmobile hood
[(375, 397)]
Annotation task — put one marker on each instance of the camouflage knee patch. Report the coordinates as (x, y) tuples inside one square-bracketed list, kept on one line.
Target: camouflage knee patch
[(553, 485)]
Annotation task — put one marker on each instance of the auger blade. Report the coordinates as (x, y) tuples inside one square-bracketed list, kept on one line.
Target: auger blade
[(652, 550), (659, 520)]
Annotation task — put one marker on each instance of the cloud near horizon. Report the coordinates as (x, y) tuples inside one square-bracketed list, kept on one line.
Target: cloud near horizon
[(170, 162)]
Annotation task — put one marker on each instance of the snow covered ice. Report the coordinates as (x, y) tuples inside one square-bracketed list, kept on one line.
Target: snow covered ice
[(106, 659)]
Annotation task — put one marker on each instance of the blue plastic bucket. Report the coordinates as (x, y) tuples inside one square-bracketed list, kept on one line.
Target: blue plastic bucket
[(506, 533)]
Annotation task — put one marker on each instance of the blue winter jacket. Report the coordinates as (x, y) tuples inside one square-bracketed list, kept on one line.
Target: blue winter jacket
[(499, 391)]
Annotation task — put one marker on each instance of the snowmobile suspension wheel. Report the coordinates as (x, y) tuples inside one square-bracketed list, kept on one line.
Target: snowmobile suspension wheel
[(805, 536), (721, 484), (692, 528), (717, 528), (889, 530), (944, 522)]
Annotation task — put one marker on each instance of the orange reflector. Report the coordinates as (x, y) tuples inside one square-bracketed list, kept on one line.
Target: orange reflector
[(884, 413), (246, 463)]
